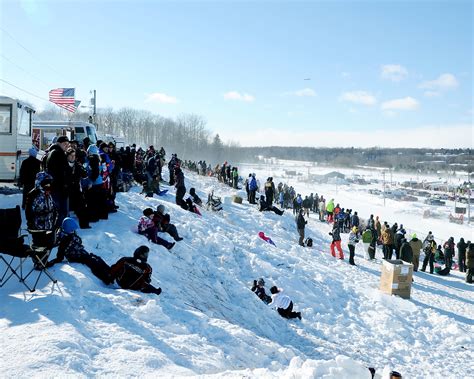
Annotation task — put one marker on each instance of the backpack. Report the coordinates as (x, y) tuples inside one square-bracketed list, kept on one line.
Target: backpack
[(309, 242)]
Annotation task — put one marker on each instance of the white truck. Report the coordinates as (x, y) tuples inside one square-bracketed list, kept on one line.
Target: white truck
[(15, 136), (44, 132)]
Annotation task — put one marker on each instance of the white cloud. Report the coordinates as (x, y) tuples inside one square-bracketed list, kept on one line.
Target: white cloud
[(432, 93), (305, 92), (162, 98), (443, 82), (441, 136), (394, 72), (234, 95), (359, 97), (404, 104)]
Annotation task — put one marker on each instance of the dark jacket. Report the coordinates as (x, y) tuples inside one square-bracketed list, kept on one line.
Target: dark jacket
[(28, 170), (462, 246), (406, 253), (57, 167), (470, 258), (301, 222), (179, 177), (130, 273), (336, 234), (260, 292)]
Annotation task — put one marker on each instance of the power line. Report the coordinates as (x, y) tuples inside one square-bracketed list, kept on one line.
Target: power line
[(33, 55), (21, 89), (22, 69)]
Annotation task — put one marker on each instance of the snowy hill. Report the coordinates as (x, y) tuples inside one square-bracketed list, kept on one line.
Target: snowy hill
[(208, 323)]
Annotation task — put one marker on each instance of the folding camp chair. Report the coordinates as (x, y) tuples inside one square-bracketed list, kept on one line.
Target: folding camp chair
[(12, 245)]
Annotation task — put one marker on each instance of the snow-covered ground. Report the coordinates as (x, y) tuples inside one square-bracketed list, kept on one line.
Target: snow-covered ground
[(208, 323)]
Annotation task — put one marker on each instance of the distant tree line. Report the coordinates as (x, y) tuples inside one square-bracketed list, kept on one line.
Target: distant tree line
[(188, 136)]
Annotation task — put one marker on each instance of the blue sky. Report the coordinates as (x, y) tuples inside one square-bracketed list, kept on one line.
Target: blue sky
[(382, 73)]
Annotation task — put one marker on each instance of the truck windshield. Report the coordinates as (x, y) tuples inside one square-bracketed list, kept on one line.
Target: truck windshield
[(24, 122), (91, 134)]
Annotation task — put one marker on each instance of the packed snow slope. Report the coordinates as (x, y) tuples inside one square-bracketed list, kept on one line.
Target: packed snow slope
[(207, 322)]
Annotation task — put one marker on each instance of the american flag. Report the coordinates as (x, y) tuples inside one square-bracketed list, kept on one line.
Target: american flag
[(62, 96), (70, 107)]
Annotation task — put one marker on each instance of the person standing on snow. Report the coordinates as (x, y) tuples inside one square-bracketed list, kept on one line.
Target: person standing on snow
[(252, 189), (366, 241), (470, 263), (353, 240), (336, 241), (462, 255), (330, 210), (416, 246), (300, 225)]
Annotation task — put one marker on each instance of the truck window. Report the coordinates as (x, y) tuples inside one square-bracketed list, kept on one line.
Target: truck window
[(91, 134), (5, 118), (24, 122), (79, 130)]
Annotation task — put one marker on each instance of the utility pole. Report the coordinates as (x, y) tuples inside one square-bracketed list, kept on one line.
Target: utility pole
[(94, 108), (469, 198), (383, 173)]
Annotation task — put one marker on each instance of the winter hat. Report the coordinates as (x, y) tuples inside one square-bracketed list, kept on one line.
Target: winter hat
[(274, 290), (148, 212), (355, 229), (261, 282), (62, 139), (92, 150), (413, 235), (69, 225), (192, 191), (160, 209), (141, 253), (32, 152), (42, 179)]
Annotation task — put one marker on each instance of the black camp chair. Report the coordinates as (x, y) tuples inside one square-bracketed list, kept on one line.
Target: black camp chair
[(12, 245)]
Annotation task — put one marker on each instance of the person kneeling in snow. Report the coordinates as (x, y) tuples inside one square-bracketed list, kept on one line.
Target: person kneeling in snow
[(71, 248), (258, 288), (283, 304), (134, 273), (147, 227)]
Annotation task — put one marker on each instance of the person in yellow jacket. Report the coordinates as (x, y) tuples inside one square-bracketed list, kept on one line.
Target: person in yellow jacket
[(330, 210), (416, 246)]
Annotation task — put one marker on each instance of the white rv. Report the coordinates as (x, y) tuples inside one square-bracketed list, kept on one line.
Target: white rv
[(15, 136)]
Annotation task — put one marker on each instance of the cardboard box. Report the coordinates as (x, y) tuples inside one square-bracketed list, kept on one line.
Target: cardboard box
[(396, 278), (237, 199)]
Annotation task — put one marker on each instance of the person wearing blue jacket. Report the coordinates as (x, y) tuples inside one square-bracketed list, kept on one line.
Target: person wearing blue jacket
[(252, 189)]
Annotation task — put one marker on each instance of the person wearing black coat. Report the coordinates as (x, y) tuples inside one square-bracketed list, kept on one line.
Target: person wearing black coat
[(180, 187), (134, 272), (28, 170), (449, 252), (57, 167), (462, 246), (259, 289), (300, 224), (406, 253)]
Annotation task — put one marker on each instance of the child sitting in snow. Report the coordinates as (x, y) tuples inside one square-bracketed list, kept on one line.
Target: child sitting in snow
[(151, 188), (71, 248), (258, 288), (147, 227), (283, 304)]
